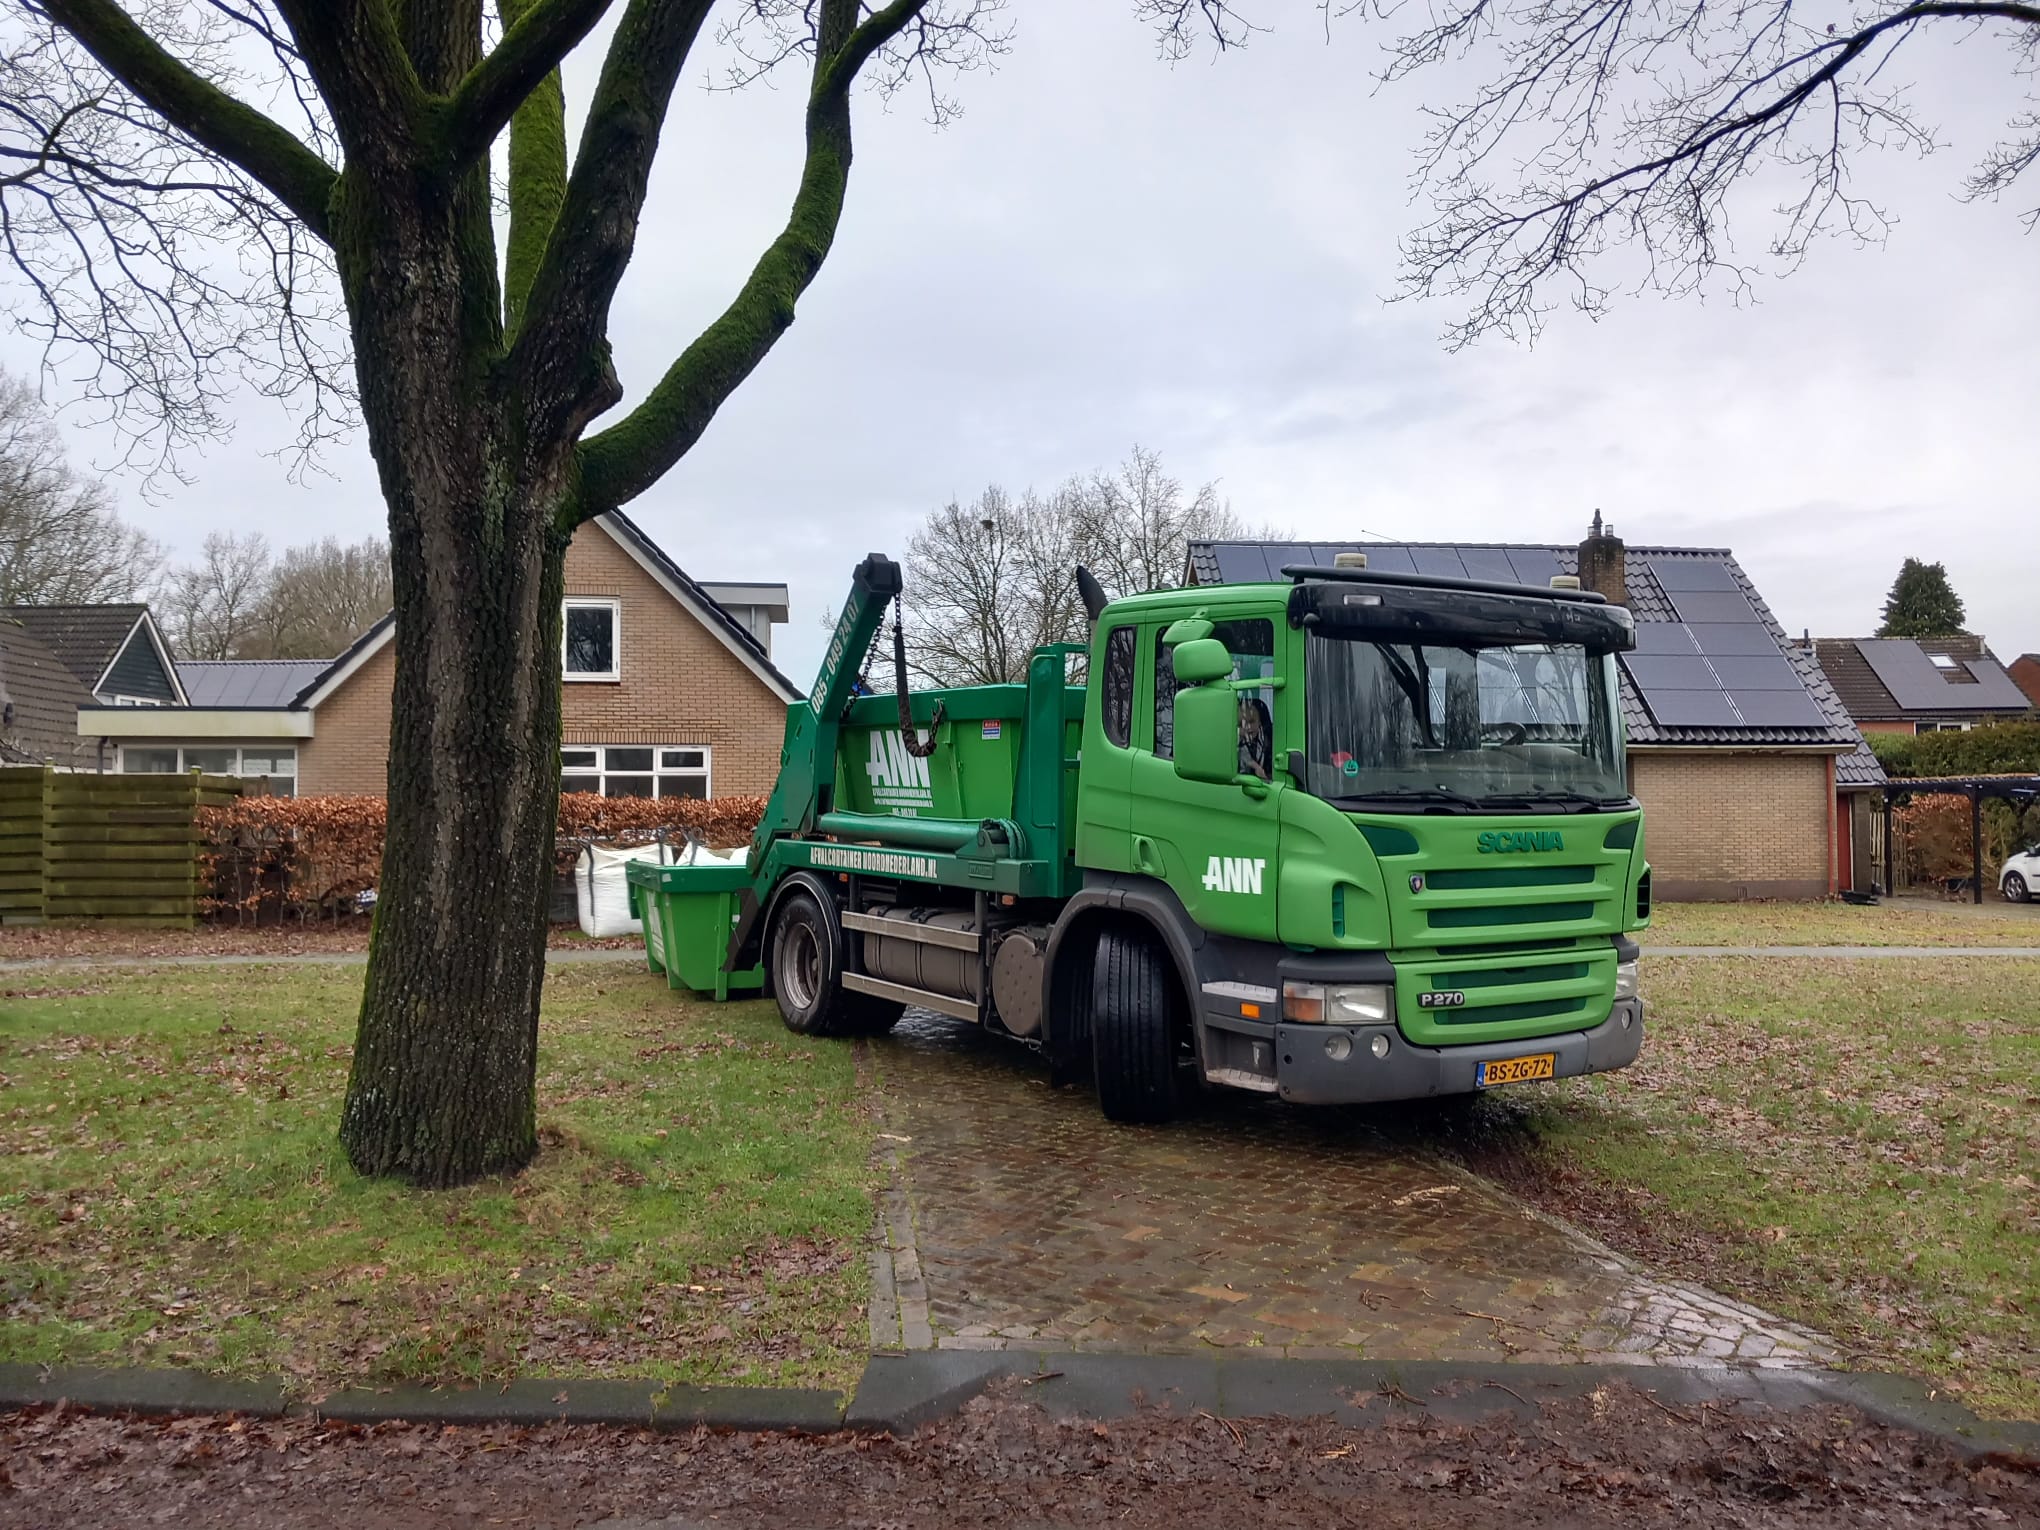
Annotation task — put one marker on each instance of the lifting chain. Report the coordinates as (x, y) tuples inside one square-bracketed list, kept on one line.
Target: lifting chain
[(919, 749)]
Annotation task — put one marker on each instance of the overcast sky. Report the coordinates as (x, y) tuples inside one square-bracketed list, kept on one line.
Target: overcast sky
[(1106, 250)]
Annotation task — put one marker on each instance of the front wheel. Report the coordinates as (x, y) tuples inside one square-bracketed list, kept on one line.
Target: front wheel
[(2016, 889), (1134, 1033)]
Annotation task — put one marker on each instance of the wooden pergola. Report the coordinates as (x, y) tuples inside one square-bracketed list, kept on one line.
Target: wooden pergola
[(2021, 791)]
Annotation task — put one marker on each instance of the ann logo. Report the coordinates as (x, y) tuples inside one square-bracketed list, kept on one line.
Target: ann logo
[(899, 780), (1234, 874)]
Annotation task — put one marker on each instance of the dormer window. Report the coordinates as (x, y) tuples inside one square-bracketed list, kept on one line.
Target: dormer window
[(591, 643)]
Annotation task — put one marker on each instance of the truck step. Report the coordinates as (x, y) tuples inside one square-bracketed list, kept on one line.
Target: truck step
[(857, 982), (913, 930)]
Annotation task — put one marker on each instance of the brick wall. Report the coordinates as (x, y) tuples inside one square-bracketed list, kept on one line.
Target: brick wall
[(349, 750), (1888, 725), (679, 685), (1723, 825)]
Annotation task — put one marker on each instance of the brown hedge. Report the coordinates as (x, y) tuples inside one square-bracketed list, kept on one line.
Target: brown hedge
[(309, 856)]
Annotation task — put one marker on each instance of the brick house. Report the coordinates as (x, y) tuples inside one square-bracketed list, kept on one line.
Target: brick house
[(2025, 673), (1735, 807), (1929, 685), (669, 692)]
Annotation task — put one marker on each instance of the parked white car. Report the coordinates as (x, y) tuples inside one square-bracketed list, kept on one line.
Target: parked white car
[(2020, 879)]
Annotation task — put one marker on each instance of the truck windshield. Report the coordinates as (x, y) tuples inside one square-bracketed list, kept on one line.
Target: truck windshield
[(1495, 728)]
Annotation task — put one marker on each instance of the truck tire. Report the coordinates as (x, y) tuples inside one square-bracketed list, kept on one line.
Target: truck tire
[(807, 967), (1134, 1032), (807, 976)]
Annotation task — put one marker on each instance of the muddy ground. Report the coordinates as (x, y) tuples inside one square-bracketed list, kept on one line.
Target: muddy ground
[(1613, 1458)]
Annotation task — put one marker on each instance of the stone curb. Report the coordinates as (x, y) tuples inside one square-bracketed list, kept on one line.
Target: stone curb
[(899, 1392)]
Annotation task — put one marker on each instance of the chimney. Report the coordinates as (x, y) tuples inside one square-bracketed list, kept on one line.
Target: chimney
[(1604, 563)]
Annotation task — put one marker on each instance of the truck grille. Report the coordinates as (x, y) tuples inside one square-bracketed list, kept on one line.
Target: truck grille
[(1528, 995)]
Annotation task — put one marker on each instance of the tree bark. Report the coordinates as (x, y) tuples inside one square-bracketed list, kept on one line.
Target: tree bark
[(441, 1090)]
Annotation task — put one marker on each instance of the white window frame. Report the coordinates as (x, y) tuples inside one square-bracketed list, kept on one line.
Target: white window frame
[(660, 772), (136, 701), (240, 753), (614, 607)]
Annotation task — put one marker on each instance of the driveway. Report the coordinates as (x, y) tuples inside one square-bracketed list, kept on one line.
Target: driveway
[(1021, 1217)]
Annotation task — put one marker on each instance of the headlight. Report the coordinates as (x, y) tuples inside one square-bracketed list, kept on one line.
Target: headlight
[(1625, 980), (1338, 1003)]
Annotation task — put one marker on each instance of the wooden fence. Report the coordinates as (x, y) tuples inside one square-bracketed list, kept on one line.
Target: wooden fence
[(123, 849)]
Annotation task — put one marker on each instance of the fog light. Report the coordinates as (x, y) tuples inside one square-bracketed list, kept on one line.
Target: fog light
[(1625, 980), (1625, 1019), (1338, 1046), (1378, 1046)]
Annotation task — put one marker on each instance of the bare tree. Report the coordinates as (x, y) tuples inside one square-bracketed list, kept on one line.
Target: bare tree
[(1607, 123), (214, 607), (320, 597), (989, 581), (193, 194), (60, 541)]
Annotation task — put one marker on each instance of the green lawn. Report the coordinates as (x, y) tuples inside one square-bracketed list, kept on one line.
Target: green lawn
[(171, 1191), (1852, 1144), (1908, 922)]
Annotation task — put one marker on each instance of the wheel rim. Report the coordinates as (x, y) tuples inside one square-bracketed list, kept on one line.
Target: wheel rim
[(2015, 888), (800, 964)]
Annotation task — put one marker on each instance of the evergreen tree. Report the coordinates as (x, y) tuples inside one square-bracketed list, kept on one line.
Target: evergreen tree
[(1922, 604)]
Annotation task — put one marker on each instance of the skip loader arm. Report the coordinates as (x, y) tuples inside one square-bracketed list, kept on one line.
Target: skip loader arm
[(807, 765)]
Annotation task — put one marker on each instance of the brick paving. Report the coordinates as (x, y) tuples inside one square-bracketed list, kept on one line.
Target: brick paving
[(1021, 1217)]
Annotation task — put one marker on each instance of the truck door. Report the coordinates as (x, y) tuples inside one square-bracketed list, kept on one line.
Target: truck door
[(1104, 811), (1213, 843)]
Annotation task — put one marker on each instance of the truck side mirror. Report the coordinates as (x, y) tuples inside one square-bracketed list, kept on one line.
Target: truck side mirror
[(1207, 741)]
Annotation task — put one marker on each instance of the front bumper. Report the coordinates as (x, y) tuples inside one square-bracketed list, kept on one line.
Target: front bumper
[(1307, 1072)]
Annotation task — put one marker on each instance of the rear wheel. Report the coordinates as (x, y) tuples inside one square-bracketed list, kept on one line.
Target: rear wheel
[(2015, 887), (807, 975), (1134, 1032)]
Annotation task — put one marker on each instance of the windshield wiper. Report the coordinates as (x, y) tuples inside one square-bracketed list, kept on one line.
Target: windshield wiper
[(1558, 794), (1414, 794)]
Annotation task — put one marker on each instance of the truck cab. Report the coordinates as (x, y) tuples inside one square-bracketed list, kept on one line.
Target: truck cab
[(1380, 824)]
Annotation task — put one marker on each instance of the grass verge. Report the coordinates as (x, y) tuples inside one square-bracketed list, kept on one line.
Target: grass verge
[(171, 1191), (1854, 1145), (1910, 922)]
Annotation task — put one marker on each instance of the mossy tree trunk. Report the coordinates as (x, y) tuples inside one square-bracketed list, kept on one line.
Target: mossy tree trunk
[(479, 377)]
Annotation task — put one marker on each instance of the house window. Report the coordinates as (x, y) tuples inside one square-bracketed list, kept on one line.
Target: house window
[(135, 701), (635, 770), (1945, 727), (591, 640), (1942, 660), (257, 761)]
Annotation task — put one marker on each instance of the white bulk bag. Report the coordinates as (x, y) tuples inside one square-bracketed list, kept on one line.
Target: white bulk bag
[(601, 895)]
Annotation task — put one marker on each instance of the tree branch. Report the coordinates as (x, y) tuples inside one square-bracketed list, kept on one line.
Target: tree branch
[(537, 35), (538, 179), (301, 180), (626, 459), (561, 360)]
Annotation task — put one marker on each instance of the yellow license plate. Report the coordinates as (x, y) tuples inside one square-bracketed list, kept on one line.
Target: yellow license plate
[(1515, 1070)]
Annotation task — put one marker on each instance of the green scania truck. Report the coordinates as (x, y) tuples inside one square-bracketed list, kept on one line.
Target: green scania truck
[(1358, 836)]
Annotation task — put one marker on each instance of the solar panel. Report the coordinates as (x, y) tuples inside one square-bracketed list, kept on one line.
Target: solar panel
[(1754, 673), (1692, 709), (1778, 709), (1669, 672), (1244, 563), (1677, 575), (1725, 639), (1916, 685), (1439, 560), (1731, 606), (1487, 563), (1392, 556), (1534, 565), (1664, 637)]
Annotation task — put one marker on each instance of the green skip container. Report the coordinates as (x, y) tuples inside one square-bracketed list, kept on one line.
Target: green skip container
[(688, 913)]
